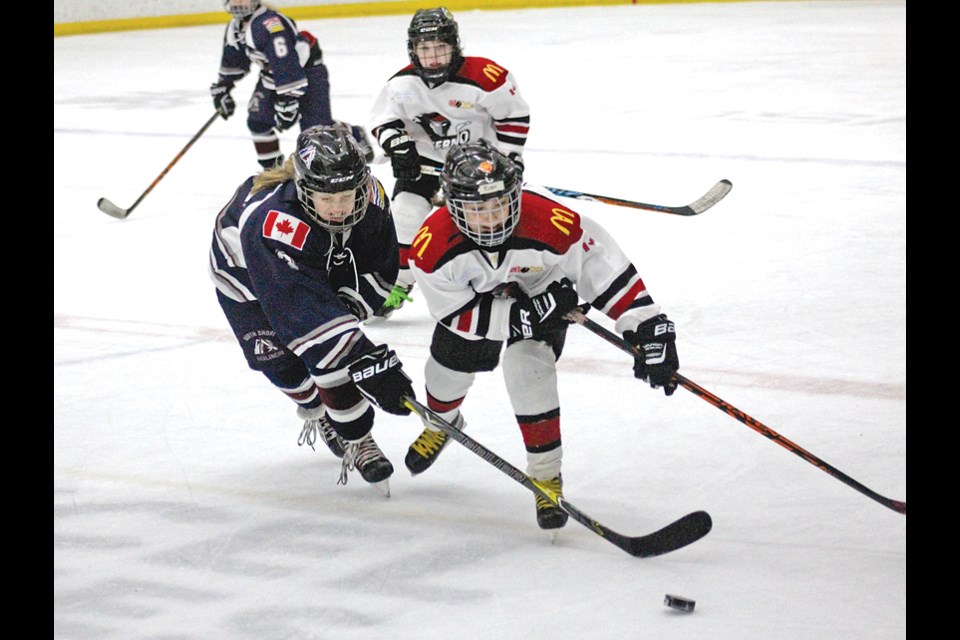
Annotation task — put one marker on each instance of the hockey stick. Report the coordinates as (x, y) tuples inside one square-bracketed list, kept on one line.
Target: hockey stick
[(113, 210), (716, 193), (675, 535), (756, 425)]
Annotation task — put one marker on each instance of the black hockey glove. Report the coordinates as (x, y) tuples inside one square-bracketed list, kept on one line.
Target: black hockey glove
[(518, 161), (379, 376), (536, 317), (286, 112), (403, 157), (222, 101), (656, 338)]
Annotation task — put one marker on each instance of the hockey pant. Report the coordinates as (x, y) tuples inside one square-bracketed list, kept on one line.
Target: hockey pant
[(530, 376), (349, 413), (314, 110)]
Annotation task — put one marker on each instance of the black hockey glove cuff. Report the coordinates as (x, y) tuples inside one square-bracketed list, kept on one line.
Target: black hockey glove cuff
[(222, 101), (379, 376), (656, 339), (536, 317), (404, 157), (286, 112)]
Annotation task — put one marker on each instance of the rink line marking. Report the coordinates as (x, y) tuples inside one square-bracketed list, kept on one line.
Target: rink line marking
[(570, 364)]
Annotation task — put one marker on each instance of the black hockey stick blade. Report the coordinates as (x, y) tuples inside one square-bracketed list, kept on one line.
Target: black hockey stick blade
[(111, 209), (716, 193), (675, 535)]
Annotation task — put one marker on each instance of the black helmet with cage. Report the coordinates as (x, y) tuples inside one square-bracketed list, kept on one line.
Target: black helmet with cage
[(328, 160), (241, 8), (482, 190), (429, 25)]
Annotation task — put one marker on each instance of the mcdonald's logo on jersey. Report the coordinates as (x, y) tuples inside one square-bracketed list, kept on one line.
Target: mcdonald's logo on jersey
[(493, 72)]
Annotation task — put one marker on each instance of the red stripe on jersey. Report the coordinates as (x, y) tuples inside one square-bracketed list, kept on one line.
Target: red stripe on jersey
[(512, 128), (623, 303), (465, 321), (538, 434)]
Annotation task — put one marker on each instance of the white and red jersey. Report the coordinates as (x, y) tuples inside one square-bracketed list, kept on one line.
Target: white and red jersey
[(481, 101), (463, 284)]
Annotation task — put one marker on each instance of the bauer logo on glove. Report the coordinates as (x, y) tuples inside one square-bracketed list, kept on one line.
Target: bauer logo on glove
[(378, 367), (379, 376)]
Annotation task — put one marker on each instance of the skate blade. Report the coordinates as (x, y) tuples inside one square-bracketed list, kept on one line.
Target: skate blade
[(382, 487)]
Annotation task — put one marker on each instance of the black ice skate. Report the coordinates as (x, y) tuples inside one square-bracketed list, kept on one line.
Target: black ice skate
[(549, 515), (365, 456), (425, 449)]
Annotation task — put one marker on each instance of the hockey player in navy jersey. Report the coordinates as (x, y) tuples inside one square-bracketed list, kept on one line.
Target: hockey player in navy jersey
[(301, 255), (442, 99), (499, 264), (293, 85)]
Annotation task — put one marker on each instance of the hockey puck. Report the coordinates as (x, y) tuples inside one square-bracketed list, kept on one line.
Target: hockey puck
[(679, 603)]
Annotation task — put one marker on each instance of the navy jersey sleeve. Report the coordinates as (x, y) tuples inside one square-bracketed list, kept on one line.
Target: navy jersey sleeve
[(234, 62)]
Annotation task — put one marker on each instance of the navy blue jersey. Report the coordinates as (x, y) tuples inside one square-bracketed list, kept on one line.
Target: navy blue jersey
[(272, 41), (266, 249)]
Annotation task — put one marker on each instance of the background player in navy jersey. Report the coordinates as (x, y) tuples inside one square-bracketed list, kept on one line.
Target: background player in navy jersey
[(442, 99), (499, 264), (293, 85), (300, 256)]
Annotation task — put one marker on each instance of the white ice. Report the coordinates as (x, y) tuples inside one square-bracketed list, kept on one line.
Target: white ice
[(184, 509)]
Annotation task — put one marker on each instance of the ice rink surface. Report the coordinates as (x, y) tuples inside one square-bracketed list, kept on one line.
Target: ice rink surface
[(184, 509)]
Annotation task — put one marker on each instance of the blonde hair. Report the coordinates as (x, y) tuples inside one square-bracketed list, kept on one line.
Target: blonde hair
[(272, 177)]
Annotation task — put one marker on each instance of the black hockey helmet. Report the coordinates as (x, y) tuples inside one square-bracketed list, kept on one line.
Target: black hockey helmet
[(328, 160), (434, 25), (482, 190), (241, 8)]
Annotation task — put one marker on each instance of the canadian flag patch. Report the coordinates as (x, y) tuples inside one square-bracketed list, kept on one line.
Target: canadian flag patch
[(285, 228)]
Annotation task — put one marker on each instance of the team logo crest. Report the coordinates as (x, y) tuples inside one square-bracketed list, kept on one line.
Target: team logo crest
[(307, 154)]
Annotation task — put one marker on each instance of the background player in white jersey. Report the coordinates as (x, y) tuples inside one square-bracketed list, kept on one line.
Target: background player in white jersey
[(293, 84), (300, 256), (437, 102), (502, 264)]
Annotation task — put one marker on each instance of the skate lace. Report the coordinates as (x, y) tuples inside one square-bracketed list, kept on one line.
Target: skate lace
[(358, 454), (308, 435), (429, 442), (555, 485)]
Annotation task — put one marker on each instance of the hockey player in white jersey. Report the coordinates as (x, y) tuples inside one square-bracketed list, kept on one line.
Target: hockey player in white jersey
[(499, 264), (439, 101)]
